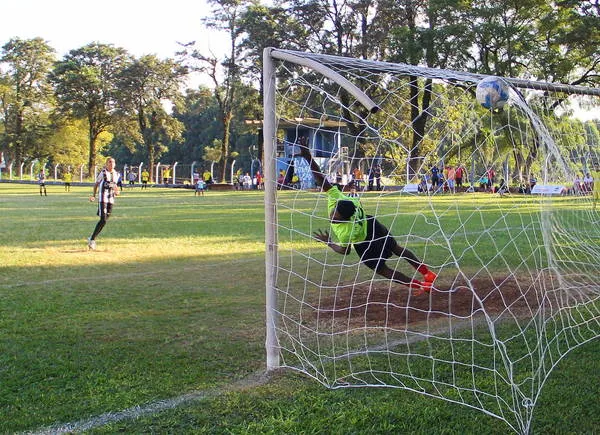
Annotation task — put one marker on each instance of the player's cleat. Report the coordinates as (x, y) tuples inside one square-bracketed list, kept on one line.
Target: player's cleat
[(419, 287), (91, 244), (429, 277)]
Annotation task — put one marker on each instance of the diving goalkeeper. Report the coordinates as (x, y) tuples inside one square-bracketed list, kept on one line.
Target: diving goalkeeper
[(372, 240)]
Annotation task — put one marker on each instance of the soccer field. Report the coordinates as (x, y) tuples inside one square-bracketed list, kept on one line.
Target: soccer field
[(161, 329)]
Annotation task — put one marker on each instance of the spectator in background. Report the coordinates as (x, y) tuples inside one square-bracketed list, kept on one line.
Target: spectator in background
[(131, 176), (484, 182), (200, 187), (247, 180), (67, 178), (435, 177), (451, 178), (207, 177), (295, 182), (459, 175), (577, 185), (41, 177), (145, 178), (239, 180), (595, 185), (357, 176), (375, 177), (587, 182), (532, 182), (502, 188), (281, 178), (259, 180), (491, 175), (166, 175)]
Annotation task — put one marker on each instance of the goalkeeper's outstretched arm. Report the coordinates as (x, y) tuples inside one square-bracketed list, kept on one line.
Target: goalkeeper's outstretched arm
[(319, 177), (324, 237)]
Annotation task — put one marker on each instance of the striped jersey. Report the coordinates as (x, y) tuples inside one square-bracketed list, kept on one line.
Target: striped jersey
[(107, 185)]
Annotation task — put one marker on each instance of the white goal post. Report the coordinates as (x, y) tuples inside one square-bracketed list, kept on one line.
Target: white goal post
[(518, 282)]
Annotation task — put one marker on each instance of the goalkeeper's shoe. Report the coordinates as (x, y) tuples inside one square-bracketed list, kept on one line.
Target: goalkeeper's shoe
[(419, 287), (429, 278), (91, 244)]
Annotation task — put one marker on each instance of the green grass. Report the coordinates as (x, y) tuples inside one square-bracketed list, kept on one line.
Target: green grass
[(172, 302)]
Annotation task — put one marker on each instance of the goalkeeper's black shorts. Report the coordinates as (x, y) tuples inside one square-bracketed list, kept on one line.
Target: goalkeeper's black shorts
[(378, 246)]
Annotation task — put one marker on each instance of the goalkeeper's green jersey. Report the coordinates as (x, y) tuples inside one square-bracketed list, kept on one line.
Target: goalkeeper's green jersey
[(355, 229)]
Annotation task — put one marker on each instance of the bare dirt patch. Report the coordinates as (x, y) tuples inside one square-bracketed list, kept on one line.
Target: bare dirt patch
[(382, 304)]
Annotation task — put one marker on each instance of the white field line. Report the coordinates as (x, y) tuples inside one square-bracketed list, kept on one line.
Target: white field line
[(254, 380)]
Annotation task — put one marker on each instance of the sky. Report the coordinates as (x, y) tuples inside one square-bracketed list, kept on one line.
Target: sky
[(140, 26)]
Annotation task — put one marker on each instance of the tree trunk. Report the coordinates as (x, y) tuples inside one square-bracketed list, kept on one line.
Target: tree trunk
[(92, 158), (419, 115), (225, 145)]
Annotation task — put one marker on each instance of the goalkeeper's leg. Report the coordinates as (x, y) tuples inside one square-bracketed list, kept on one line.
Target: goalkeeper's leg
[(397, 276), (391, 246)]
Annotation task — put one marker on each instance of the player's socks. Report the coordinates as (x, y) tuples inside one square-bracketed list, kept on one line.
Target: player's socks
[(422, 269)]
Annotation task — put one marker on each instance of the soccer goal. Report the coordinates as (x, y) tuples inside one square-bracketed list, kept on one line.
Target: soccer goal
[(508, 221)]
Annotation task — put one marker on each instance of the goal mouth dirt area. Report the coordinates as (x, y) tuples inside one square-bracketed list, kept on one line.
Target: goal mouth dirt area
[(382, 304)]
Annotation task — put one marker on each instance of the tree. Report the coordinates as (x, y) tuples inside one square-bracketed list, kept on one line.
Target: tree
[(263, 26), (145, 87), (86, 87), (200, 117), (431, 34), (69, 142), (550, 41), (26, 97), (226, 17)]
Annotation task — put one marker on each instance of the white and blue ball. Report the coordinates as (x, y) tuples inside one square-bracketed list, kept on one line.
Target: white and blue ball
[(492, 93)]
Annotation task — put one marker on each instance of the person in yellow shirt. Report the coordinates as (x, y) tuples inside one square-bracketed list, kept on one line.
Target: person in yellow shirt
[(68, 177), (145, 178), (166, 175), (207, 177), (595, 186)]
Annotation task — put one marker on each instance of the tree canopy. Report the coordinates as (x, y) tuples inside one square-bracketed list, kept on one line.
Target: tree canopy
[(140, 107)]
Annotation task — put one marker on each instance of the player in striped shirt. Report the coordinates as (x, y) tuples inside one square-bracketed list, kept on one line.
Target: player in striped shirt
[(107, 188)]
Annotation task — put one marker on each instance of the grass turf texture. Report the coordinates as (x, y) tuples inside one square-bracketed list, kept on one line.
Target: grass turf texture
[(173, 302)]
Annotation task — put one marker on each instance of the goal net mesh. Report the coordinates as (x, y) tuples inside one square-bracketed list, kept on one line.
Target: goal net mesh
[(518, 269)]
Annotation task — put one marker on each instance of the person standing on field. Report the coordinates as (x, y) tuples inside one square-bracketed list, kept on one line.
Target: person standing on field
[(451, 178), (458, 176), (435, 178), (145, 178), (207, 177), (106, 188), (131, 177), (166, 175), (67, 177), (595, 185), (42, 182), (200, 187)]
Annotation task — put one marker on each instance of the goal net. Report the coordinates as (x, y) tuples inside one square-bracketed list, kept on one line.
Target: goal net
[(515, 240)]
